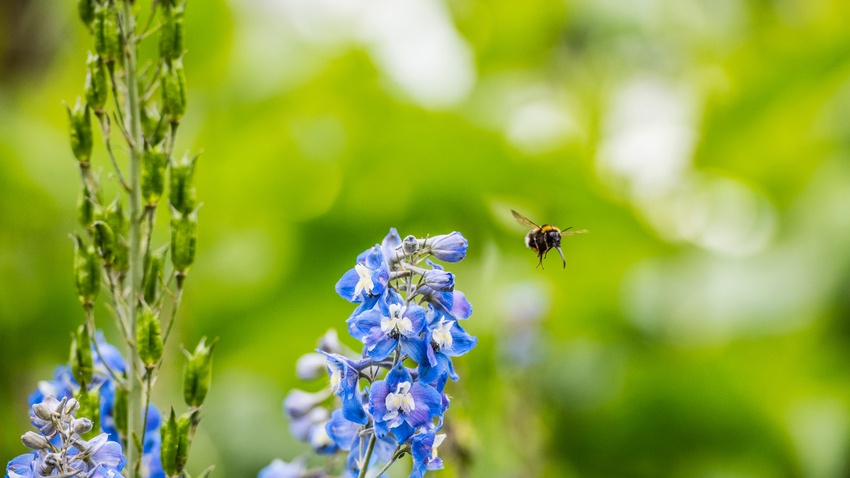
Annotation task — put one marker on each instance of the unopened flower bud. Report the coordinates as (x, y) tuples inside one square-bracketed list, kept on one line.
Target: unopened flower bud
[(153, 176), (173, 85), (439, 280), (50, 462), (107, 36), (410, 245), (330, 342), (182, 194), (152, 126), (113, 216), (34, 441), (299, 403), (81, 426), (71, 406), (197, 374), (86, 271), (42, 410), (171, 39), (174, 449), (448, 247), (89, 408), (96, 86), (153, 274), (310, 366), (148, 337), (389, 246), (86, 11), (184, 237), (81, 134), (104, 241), (81, 359), (85, 207)]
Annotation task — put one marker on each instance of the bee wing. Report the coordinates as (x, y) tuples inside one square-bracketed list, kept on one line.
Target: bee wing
[(573, 233), (523, 220)]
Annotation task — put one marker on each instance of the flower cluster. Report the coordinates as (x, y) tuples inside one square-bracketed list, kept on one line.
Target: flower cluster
[(100, 402), (392, 394), (59, 449)]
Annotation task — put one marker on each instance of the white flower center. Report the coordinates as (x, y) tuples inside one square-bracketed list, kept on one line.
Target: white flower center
[(401, 400), (395, 322), (442, 335), (438, 439), (365, 282), (336, 377)]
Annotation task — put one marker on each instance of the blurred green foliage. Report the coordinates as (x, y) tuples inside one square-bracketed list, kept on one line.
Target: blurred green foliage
[(700, 329)]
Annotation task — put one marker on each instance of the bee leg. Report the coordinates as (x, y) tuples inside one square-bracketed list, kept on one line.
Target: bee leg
[(540, 261)]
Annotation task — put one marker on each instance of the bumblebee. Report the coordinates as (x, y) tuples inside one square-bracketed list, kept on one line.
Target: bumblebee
[(542, 239)]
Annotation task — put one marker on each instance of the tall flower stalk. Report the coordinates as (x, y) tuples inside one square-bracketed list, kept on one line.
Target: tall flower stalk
[(115, 251), (389, 400)]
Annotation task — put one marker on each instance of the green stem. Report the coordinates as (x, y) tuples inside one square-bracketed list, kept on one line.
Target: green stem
[(366, 459), (398, 452), (136, 142)]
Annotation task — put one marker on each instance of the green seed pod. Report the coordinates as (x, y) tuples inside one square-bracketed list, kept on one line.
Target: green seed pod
[(184, 237), (119, 412), (181, 190), (82, 365), (89, 408), (85, 207), (153, 175), (174, 449), (86, 10), (152, 126), (197, 374), (96, 86), (153, 275), (171, 39), (107, 36), (173, 84), (148, 337), (81, 135), (113, 216), (86, 271), (104, 241)]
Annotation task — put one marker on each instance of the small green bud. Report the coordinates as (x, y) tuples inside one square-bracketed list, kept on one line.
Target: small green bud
[(171, 39), (113, 216), (175, 443), (85, 207), (152, 126), (184, 238), (197, 375), (153, 175), (86, 271), (86, 10), (96, 86), (82, 365), (173, 84), (104, 241), (107, 36), (119, 412), (148, 337), (153, 275), (181, 191), (89, 408), (81, 135)]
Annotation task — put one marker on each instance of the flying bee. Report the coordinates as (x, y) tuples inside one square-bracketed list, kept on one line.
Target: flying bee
[(541, 239)]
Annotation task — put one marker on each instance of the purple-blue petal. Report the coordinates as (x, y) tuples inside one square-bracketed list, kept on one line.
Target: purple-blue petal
[(347, 284)]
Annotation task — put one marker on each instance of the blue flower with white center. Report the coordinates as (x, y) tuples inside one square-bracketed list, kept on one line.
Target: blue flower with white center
[(392, 323), (367, 281), (448, 247), (100, 456), (424, 450), (401, 405), (344, 375), (447, 339)]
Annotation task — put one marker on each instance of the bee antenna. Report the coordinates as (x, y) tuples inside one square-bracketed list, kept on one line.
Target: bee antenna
[(566, 228)]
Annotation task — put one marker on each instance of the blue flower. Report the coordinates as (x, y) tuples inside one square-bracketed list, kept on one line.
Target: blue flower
[(401, 405), (448, 247), (22, 466), (345, 375), (367, 281), (282, 469), (390, 247), (447, 339), (438, 279), (424, 451), (99, 458), (392, 323)]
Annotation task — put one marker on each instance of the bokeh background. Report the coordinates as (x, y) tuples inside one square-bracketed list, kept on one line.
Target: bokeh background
[(701, 329)]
